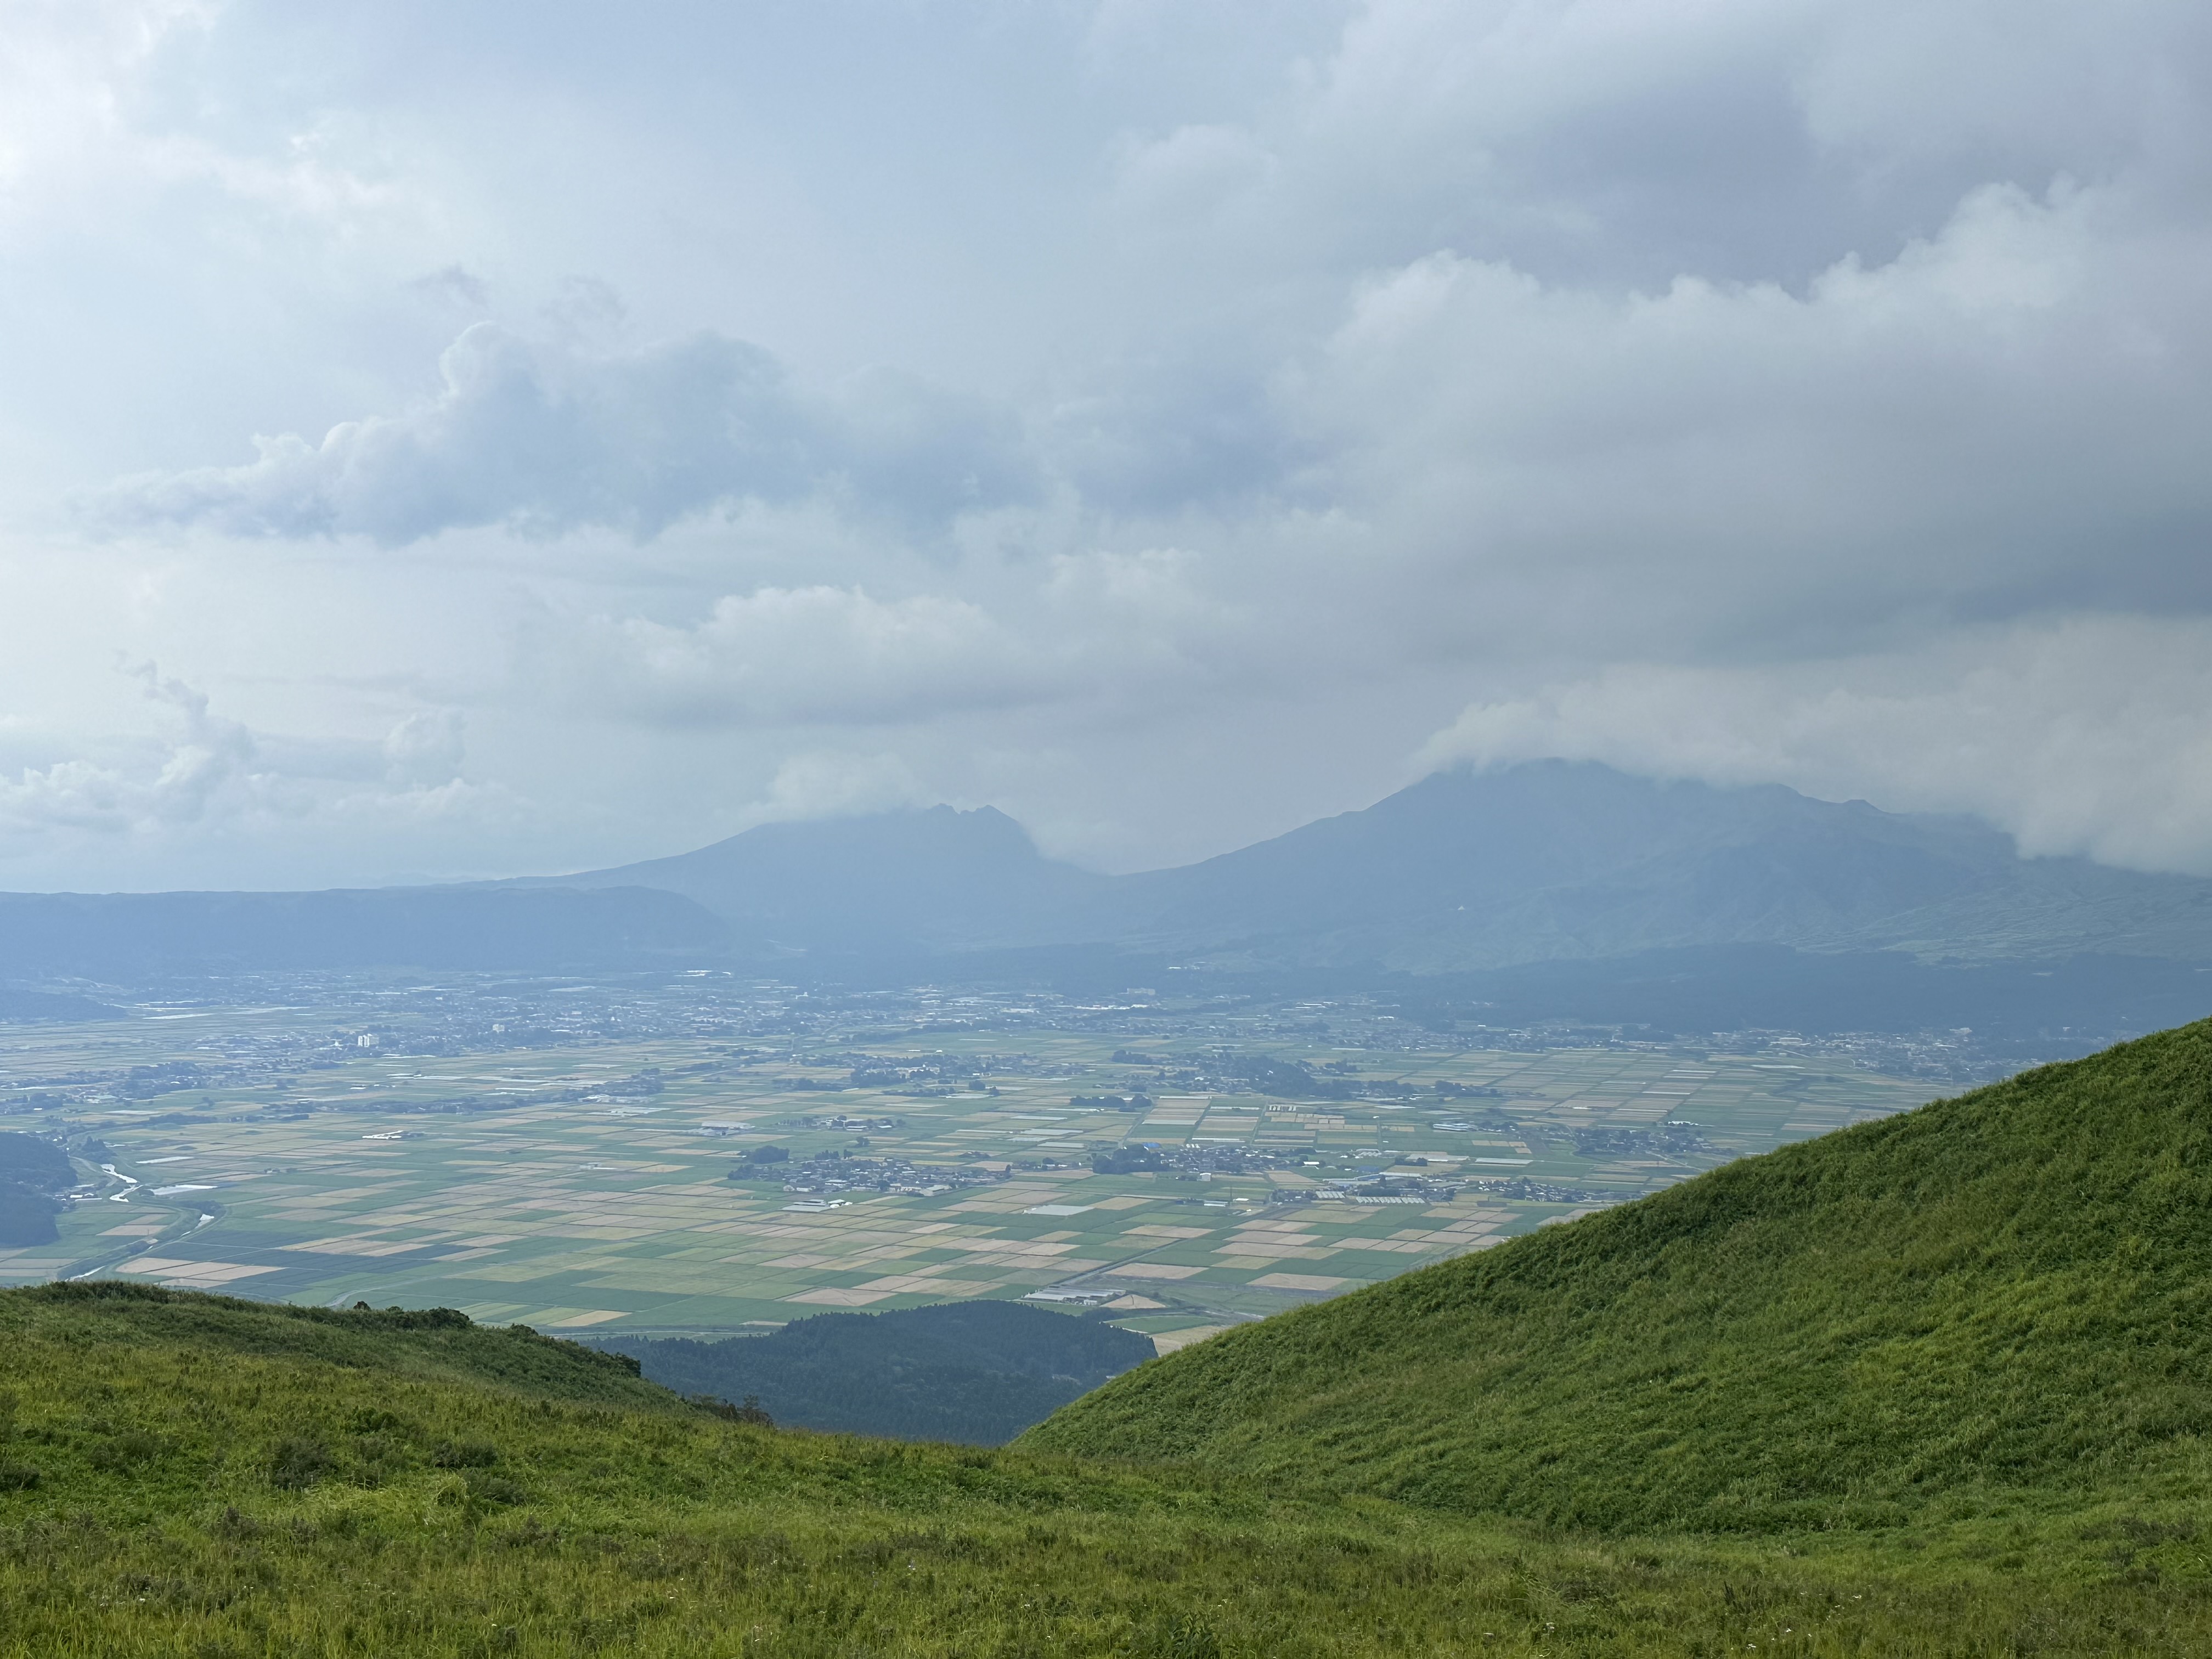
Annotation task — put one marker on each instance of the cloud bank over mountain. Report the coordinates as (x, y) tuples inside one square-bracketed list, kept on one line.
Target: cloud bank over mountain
[(1166, 423)]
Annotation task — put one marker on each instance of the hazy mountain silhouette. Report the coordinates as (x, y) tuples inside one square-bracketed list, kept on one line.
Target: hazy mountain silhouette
[(930, 880), (1464, 870), (125, 937), (1554, 860)]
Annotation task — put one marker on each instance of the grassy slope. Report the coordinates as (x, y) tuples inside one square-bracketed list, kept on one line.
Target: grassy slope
[(1995, 1304), (455, 1503), (437, 1344)]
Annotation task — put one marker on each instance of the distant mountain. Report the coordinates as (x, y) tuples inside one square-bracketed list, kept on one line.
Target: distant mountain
[(1463, 872), (1993, 1301), (1547, 862), (126, 937), (1554, 860), (933, 880), (2023, 1011)]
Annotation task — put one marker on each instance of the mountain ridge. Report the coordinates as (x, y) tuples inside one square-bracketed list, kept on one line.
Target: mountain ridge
[(1463, 870), (125, 937)]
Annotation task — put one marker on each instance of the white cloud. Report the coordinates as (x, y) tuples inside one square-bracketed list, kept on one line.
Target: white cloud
[(827, 783), (68, 72), (2087, 737), (1083, 631), (203, 774), (792, 656), (1195, 171), (546, 439)]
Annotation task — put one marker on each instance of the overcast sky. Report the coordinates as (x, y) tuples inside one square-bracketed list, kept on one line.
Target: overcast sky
[(447, 440)]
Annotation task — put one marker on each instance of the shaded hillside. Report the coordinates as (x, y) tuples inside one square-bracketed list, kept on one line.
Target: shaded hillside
[(2003, 1299), (975, 1372), (32, 1169), (130, 937)]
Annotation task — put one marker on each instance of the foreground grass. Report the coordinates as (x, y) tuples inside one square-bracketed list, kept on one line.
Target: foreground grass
[(186, 1477), (347, 1577)]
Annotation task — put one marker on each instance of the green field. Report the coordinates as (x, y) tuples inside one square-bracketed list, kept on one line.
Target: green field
[(582, 1183)]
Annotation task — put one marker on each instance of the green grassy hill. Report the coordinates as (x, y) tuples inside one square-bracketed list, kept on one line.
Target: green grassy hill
[(1995, 1304), (1931, 1387), (46, 1325)]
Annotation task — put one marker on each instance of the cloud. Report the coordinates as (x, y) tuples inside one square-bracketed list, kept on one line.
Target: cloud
[(544, 438), (2087, 736), (2007, 416), (792, 656), (1193, 171), (1168, 445), (1098, 628), (204, 772), (827, 783), (456, 286)]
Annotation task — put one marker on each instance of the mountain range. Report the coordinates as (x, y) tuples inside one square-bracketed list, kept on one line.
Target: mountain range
[(136, 938), (1465, 870), (1570, 882)]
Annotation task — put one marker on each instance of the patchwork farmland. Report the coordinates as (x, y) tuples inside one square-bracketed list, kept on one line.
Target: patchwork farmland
[(687, 1158)]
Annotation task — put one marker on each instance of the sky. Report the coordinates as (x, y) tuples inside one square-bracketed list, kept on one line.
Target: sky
[(447, 441)]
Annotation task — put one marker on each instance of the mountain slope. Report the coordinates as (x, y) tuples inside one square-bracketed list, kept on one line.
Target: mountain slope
[(431, 1345), (1486, 842), (1997, 1300), (33, 1173), (1554, 860)]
